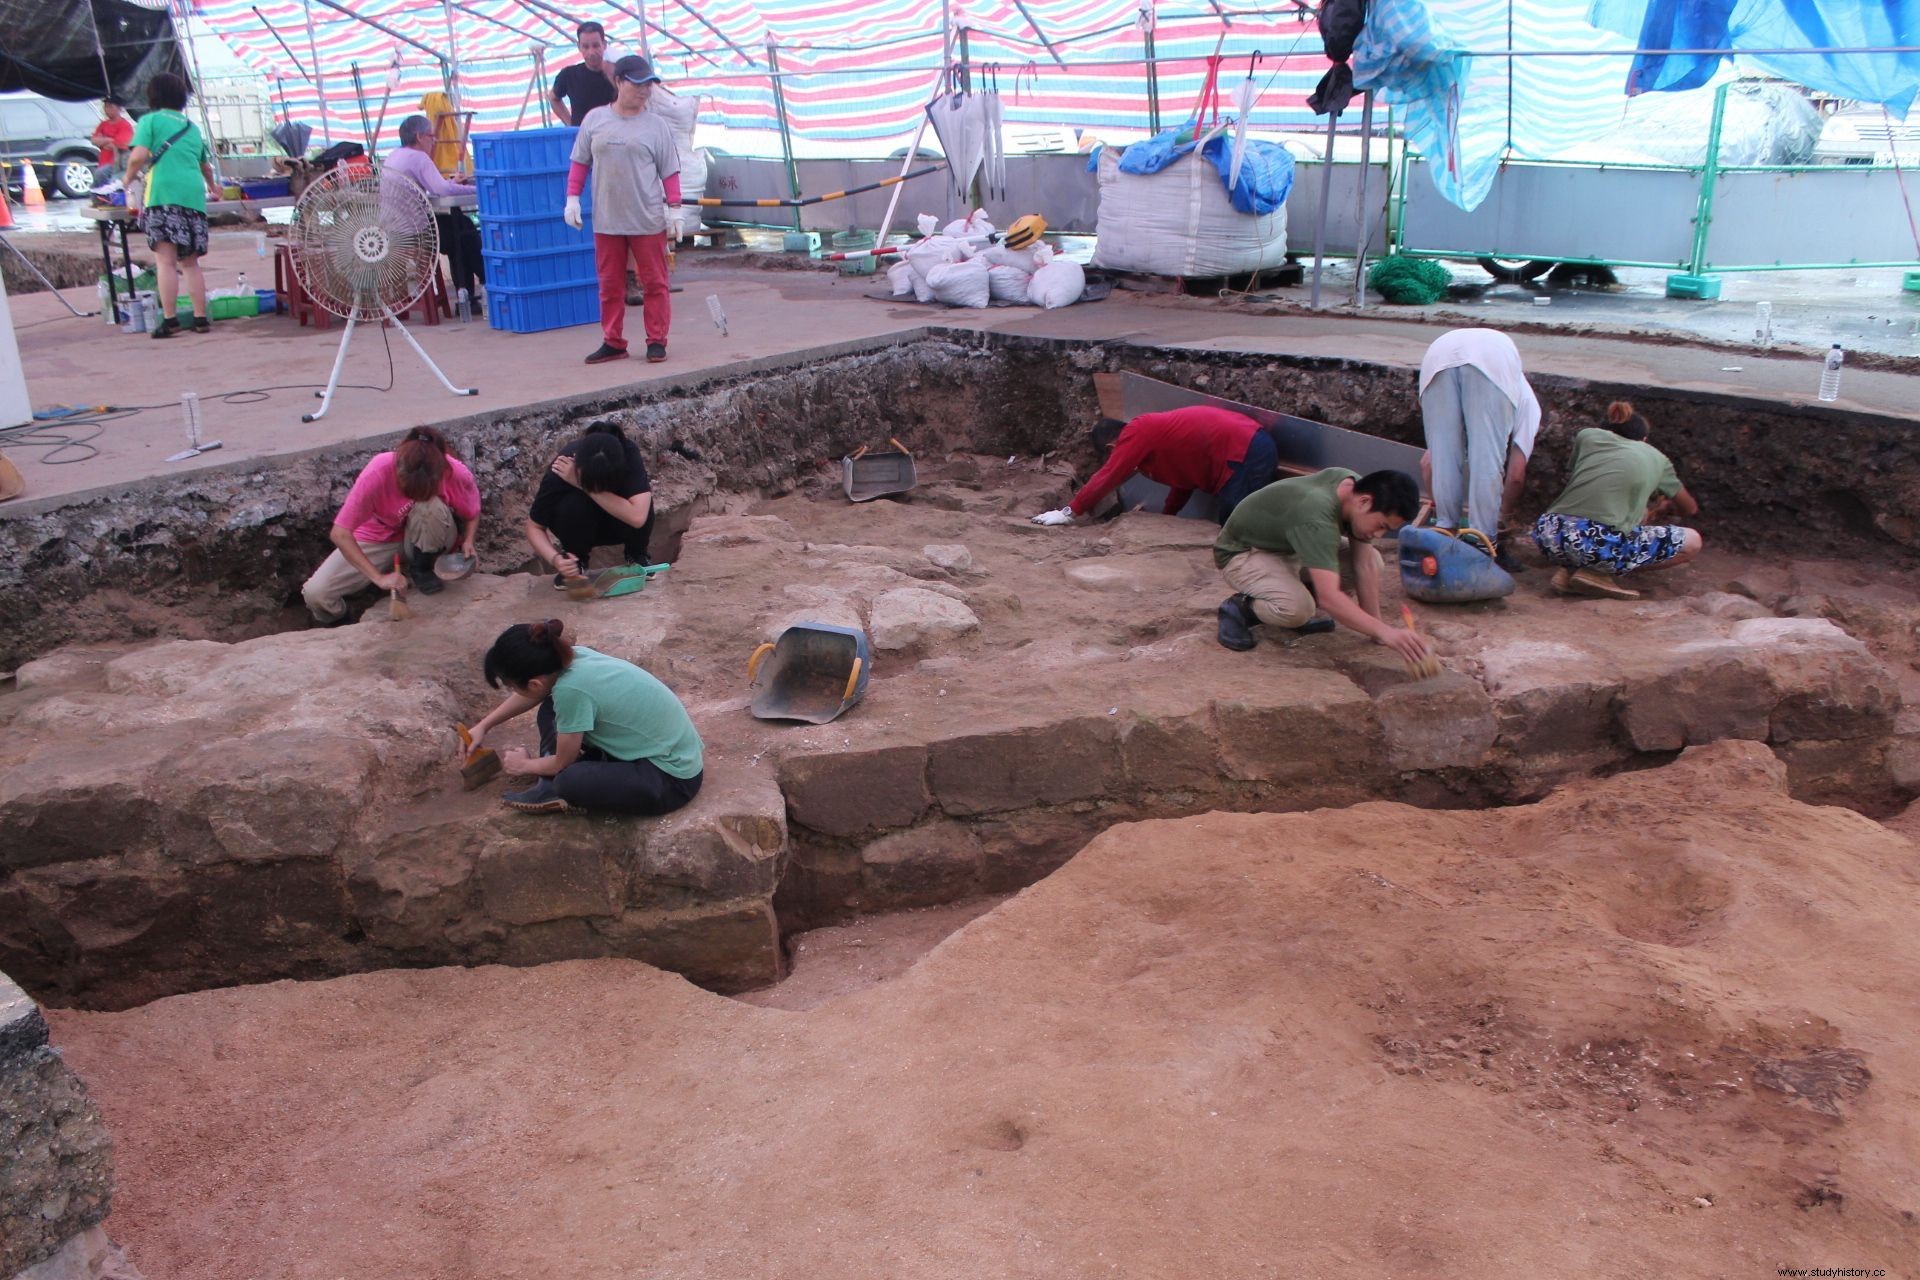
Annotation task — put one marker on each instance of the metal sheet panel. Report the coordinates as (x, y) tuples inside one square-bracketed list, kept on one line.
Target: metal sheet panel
[(1302, 442), (1343, 228), (1603, 214), (1828, 214)]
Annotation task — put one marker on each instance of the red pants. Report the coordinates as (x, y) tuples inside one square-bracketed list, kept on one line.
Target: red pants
[(649, 254)]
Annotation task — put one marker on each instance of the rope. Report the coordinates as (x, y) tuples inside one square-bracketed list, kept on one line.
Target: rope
[(708, 202)]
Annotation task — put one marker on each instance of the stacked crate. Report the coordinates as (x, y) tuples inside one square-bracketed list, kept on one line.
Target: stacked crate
[(539, 270)]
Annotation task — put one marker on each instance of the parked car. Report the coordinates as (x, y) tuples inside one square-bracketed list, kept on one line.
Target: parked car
[(1867, 135), (53, 135)]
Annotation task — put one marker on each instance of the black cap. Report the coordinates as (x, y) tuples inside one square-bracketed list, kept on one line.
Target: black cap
[(635, 69)]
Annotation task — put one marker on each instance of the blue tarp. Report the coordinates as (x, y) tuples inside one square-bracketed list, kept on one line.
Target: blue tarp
[(1266, 171), (1890, 79)]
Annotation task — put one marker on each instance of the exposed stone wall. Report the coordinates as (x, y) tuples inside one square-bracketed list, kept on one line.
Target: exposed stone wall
[(220, 553), (56, 1160)]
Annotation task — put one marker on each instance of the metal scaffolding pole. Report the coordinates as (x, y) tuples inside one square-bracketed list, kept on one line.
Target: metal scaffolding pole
[(786, 132), (319, 81), (1361, 215), (453, 56), (1326, 194)]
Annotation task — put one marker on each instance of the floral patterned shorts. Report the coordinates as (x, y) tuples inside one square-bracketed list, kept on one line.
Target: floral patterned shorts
[(171, 224), (1579, 543)]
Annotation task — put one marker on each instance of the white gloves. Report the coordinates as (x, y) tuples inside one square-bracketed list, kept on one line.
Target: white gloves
[(1063, 516), (572, 213)]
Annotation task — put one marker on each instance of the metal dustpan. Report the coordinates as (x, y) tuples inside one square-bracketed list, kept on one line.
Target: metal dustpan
[(813, 672), (867, 476)]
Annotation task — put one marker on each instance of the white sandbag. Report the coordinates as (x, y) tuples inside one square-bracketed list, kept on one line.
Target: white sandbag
[(1178, 222), (928, 224), (934, 251), (975, 226), (1000, 256), (1057, 284), (1008, 284), (960, 284), (900, 276)]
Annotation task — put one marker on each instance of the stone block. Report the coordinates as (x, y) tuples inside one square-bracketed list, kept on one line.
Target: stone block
[(910, 617), (1019, 768), (725, 947), (1026, 848), (1826, 684), (1710, 690), (727, 844), (847, 793), (410, 888), (91, 1255), (930, 864), (948, 557), (1297, 726), (538, 870), (1171, 753), (1852, 771), (1443, 723)]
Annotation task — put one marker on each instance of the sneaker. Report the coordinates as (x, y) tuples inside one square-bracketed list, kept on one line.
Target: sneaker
[(542, 797), (1236, 623), (605, 353), (167, 328), (656, 352)]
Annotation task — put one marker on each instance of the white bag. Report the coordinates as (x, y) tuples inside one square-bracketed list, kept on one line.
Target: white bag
[(1057, 284), (1179, 222), (900, 276), (1000, 256), (934, 251), (1008, 284), (960, 284), (975, 226)]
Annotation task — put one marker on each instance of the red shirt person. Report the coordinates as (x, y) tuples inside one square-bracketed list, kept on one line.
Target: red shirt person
[(113, 135), (1214, 451)]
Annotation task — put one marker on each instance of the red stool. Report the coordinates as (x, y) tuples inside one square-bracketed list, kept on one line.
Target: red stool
[(432, 302), (286, 283)]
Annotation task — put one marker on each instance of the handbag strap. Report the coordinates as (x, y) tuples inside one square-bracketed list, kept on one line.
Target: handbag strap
[(168, 144)]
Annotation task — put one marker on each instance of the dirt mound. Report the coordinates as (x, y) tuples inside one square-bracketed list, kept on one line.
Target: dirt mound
[(1656, 1024)]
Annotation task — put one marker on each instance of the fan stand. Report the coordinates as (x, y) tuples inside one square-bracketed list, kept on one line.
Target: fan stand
[(340, 360)]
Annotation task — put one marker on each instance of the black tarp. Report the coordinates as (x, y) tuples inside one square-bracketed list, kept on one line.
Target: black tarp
[(81, 50)]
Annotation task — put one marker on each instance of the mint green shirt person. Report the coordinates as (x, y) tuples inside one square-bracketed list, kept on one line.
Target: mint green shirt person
[(1298, 517), (624, 711), (178, 178), (1612, 479)]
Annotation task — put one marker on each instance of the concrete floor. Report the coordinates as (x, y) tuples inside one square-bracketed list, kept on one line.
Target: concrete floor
[(772, 316)]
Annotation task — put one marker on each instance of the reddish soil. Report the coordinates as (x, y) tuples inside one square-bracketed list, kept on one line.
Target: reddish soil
[(1660, 1024)]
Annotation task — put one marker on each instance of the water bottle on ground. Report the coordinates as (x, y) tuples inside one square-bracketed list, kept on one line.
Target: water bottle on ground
[(240, 289), (1763, 325), (463, 307), (190, 417), (1830, 374)]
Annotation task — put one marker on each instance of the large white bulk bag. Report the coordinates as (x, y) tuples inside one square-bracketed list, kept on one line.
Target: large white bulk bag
[(1179, 222), (682, 115)]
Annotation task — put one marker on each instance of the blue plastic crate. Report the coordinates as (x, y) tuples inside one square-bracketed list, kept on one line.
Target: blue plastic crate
[(558, 306), (531, 233), (542, 270), (520, 195), (523, 150)]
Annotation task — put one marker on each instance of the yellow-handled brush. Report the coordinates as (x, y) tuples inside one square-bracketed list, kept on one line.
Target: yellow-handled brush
[(1427, 667)]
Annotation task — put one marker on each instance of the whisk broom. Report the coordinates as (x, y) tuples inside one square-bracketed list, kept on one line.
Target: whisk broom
[(1427, 667)]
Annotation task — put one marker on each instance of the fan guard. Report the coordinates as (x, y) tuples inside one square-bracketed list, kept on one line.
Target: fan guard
[(362, 249)]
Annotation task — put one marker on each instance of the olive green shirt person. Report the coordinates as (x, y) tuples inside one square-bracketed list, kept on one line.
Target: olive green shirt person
[(1298, 517), (1613, 478)]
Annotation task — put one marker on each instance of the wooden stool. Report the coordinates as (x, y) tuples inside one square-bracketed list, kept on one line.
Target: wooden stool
[(432, 302)]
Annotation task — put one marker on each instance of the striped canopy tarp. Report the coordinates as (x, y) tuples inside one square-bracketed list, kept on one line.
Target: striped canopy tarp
[(852, 69)]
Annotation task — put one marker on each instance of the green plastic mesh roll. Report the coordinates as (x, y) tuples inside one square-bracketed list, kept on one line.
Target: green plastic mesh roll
[(1418, 281)]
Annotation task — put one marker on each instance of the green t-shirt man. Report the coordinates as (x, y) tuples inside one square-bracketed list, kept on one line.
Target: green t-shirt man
[(1298, 517), (177, 179), (1613, 478), (622, 710)]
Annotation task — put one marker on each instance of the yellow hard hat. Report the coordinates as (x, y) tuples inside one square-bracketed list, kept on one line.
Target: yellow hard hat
[(1025, 231)]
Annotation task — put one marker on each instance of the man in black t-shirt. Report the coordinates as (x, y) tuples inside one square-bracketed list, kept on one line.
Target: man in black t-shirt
[(597, 492), (585, 85)]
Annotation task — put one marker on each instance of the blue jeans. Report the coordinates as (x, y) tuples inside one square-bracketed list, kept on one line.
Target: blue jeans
[(1255, 471)]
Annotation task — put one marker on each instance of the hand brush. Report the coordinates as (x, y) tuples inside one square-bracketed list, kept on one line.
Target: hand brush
[(477, 768), (1427, 667), (397, 610)]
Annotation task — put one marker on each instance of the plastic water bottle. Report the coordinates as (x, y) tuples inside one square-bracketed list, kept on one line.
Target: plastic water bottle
[(1763, 325), (259, 244), (190, 417), (1830, 374), (106, 303), (240, 289), (463, 307)]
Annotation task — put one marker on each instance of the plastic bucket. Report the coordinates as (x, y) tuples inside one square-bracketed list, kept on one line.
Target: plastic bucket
[(853, 242)]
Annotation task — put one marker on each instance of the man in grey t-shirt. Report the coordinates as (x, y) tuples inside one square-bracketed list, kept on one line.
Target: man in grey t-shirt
[(635, 166)]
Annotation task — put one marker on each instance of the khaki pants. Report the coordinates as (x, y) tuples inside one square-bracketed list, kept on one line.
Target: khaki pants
[(1277, 584), (430, 527)]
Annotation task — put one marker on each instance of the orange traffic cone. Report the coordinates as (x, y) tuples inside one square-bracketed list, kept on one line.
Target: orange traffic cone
[(30, 193)]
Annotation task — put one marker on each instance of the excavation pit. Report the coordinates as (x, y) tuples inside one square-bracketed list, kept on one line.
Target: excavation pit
[(190, 813)]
